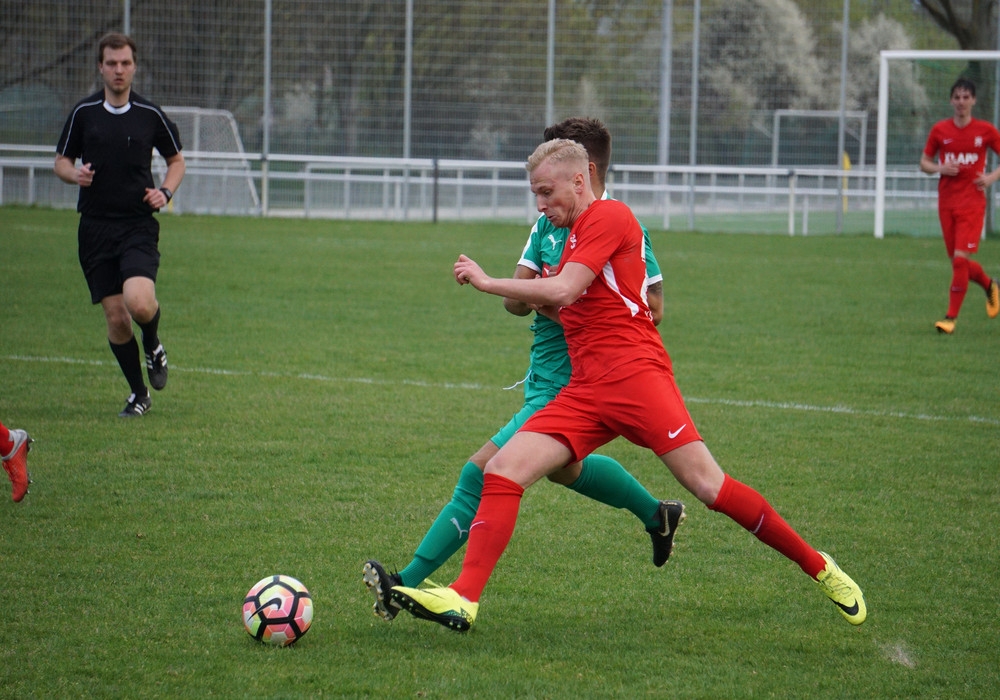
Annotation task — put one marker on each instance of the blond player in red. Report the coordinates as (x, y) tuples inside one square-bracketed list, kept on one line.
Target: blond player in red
[(622, 384), (956, 150)]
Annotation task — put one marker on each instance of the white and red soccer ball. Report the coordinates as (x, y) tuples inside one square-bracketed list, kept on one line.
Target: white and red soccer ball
[(278, 610)]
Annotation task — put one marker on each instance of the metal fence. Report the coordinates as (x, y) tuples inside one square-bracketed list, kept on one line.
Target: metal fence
[(411, 109), (735, 199)]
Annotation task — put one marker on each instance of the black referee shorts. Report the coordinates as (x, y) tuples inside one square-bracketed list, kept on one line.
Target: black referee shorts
[(113, 250)]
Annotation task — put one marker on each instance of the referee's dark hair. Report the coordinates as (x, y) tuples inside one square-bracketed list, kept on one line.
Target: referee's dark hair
[(116, 40)]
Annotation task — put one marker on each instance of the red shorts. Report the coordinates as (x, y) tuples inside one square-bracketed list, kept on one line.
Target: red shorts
[(962, 227), (639, 401)]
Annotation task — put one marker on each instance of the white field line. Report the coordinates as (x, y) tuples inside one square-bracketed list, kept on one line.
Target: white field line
[(779, 405)]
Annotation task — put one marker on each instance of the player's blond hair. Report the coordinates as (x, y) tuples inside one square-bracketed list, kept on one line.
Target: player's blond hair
[(558, 151)]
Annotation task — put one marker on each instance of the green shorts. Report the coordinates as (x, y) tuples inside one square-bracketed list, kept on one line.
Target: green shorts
[(537, 393)]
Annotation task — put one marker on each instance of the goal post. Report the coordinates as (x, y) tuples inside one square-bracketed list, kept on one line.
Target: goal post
[(821, 118), (219, 177), (882, 130)]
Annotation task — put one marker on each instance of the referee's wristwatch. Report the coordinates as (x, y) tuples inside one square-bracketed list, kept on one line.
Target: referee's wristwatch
[(167, 193)]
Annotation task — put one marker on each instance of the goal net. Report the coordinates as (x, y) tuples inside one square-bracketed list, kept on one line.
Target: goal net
[(914, 92), (802, 137), (219, 178)]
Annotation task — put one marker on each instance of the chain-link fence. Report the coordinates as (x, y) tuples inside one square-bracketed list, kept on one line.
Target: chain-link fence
[(723, 83)]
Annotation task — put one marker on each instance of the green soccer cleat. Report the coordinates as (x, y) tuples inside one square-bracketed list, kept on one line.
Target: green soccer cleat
[(841, 589), (441, 605)]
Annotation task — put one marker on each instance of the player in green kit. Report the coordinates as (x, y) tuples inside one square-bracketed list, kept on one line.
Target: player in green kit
[(598, 477)]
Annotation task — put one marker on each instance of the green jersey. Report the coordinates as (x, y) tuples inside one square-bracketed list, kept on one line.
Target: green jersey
[(542, 253)]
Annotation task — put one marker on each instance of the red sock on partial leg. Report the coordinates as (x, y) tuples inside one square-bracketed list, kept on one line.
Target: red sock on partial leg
[(6, 444), (978, 275), (754, 513), (959, 285), (489, 533)]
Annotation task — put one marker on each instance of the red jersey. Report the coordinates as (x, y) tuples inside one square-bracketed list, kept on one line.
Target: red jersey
[(965, 147), (610, 324)]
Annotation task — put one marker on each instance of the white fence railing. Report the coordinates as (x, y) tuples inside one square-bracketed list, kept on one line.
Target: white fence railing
[(715, 198)]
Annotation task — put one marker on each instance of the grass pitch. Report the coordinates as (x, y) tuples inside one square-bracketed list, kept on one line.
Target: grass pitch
[(329, 379)]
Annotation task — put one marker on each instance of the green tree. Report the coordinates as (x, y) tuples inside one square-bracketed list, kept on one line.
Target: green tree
[(907, 129), (971, 22), (757, 56)]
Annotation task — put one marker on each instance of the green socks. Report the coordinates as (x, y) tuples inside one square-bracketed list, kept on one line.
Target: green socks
[(450, 529), (605, 480), (602, 479)]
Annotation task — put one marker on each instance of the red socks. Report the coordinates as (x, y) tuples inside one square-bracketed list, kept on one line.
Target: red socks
[(959, 285), (493, 526), (962, 271), (754, 513), (489, 533), (978, 275), (6, 444)]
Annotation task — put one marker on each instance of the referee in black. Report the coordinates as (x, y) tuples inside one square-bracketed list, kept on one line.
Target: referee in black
[(113, 133)]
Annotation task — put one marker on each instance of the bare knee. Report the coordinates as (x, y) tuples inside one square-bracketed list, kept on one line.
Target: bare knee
[(119, 324), (143, 309), (484, 454), (139, 296), (708, 492), (696, 470), (567, 475), (527, 457)]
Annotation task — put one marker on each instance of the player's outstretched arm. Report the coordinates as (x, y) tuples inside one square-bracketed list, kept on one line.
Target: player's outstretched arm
[(560, 290)]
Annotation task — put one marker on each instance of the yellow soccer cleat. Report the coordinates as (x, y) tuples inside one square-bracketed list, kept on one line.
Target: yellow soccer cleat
[(945, 325), (993, 299), (441, 605), (841, 589)]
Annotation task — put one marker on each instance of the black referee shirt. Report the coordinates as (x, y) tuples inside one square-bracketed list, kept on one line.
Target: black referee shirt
[(118, 143)]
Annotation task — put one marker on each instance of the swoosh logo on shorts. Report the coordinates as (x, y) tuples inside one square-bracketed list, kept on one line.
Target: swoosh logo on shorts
[(674, 433)]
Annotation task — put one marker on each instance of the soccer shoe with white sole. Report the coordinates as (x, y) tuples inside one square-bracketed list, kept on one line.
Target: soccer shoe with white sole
[(671, 516), (441, 605), (156, 367), (136, 406), (15, 464), (380, 582), (945, 325), (993, 299), (843, 591)]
